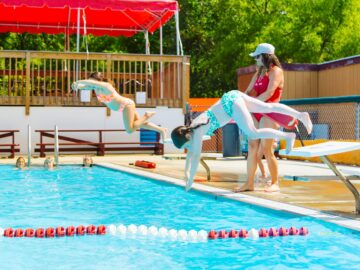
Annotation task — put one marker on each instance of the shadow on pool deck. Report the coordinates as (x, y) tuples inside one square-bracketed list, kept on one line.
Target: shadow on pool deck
[(320, 190)]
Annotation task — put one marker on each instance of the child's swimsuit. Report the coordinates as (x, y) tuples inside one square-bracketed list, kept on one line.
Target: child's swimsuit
[(214, 123), (227, 101), (108, 98)]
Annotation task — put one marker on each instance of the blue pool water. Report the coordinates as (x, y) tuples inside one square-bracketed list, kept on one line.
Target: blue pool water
[(72, 195)]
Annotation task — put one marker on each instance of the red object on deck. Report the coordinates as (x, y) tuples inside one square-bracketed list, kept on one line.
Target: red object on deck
[(145, 164)]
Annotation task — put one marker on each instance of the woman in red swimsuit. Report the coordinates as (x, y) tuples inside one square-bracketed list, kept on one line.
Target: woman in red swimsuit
[(266, 85)]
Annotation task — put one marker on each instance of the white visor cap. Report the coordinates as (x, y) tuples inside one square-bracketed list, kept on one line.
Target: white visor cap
[(263, 48)]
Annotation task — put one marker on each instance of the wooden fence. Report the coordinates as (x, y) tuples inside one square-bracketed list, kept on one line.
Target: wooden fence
[(44, 78), (335, 78)]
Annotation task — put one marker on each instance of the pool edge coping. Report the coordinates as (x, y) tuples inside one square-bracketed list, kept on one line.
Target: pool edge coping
[(271, 204)]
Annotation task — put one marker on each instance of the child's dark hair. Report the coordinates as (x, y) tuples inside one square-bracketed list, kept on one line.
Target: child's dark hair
[(98, 76), (268, 60), (182, 134)]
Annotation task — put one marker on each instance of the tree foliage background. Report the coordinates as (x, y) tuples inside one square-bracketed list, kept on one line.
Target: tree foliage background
[(220, 34)]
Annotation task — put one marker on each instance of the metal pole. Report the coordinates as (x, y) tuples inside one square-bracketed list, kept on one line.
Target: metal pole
[(29, 146), (56, 148)]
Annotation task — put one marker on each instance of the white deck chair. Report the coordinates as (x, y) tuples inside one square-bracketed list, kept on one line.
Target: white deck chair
[(323, 150)]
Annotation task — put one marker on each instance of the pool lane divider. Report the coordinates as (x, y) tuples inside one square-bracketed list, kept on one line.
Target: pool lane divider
[(152, 231)]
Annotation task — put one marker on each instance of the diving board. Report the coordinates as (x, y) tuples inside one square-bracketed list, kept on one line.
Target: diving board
[(323, 150)]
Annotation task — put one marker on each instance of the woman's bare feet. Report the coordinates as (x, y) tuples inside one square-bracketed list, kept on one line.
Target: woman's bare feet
[(149, 114), (290, 140), (305, 119), (243, 188), (273, 188)]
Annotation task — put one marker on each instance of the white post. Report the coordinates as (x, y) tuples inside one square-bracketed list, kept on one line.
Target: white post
[(147, 43), (161, 41), (56, 145), (29, 146), (179, 48), (77, 43), (161, 66)]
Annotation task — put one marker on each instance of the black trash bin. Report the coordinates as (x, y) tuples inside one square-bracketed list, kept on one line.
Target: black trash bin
[(230, 140)]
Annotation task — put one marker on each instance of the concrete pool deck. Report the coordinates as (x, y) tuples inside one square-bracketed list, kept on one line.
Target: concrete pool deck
[(316, 187)]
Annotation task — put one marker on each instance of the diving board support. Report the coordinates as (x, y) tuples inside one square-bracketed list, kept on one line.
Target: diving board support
[(346, 181), (203, 163), (323, 150)]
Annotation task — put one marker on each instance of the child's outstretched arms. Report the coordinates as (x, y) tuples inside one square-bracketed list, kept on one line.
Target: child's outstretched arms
[(193, 157), (90, 85)]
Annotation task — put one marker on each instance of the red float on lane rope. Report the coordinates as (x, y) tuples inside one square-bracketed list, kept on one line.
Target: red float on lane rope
[(29, 232), (101, 230), (60, 231), (80, 230), (18, 233), (9, 232), (39, 233), (50, 232), (70, 231), (91, 229)]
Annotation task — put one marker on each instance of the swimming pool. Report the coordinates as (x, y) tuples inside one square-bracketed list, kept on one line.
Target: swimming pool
[(72, 195)]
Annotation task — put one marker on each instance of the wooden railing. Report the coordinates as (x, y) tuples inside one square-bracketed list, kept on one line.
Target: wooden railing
[(44, 78), (11, 147), (99, 146)]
